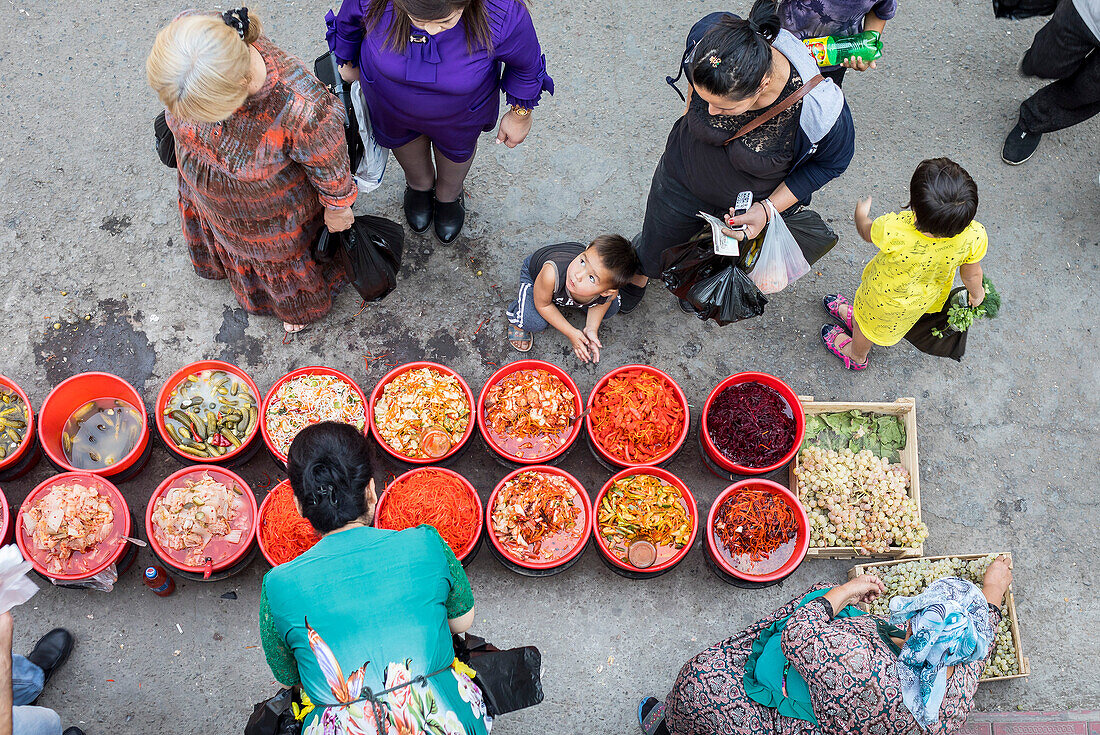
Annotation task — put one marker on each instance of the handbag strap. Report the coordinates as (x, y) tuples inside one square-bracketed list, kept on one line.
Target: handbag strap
[(786, 104)]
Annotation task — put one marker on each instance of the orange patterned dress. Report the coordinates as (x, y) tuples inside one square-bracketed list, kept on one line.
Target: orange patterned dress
[(252, 191)]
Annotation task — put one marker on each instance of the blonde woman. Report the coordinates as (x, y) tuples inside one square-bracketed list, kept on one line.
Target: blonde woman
[(262, 161)]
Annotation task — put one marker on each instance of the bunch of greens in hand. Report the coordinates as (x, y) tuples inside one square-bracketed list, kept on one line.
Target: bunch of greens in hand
[(961, 315), (883, 435)]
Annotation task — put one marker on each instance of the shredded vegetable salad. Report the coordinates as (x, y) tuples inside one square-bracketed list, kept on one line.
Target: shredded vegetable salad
[(188, 517), (69, 518), (643, 508), (637, 416), (537, 516), (532, 406), (422, 413), (310, 399)]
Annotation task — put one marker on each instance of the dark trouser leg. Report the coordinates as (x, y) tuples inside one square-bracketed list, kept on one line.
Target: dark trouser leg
[(1065, 50), (670, 220)]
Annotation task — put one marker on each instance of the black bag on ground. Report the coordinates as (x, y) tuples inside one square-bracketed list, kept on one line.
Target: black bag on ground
[(327, 70), (714, 285), (951, 345), (166, 141), (1020, 9), (509, 680), (370, 252), (274, 716)]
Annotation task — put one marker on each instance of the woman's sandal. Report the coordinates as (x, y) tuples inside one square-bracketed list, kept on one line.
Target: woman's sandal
[(833, 302), (651, 716), (517, 336), (830, 335)]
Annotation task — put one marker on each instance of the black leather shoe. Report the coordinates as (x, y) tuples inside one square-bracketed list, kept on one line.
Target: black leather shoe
[(449, 218), (418, 208), (73, 731), (51, 651)]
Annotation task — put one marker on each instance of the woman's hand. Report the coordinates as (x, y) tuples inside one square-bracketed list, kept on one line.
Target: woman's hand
[(338, 220), (754, 220), (857, 64), (349, 73), (976, 301), (997, 579), (514, 128), (864, 588)]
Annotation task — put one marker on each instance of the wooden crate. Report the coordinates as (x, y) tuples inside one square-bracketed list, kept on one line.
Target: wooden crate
[(1008, 608), (904, 408)]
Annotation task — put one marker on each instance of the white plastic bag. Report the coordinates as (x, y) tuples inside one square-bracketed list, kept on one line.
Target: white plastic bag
[(372, 168), (781, 261), (15, 588)]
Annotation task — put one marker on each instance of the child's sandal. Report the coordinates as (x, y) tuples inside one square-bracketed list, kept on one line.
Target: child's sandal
[(830, 335), (518, 337), (833, 303)]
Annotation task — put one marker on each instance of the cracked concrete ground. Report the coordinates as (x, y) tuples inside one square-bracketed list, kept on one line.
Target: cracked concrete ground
[(89, 226)]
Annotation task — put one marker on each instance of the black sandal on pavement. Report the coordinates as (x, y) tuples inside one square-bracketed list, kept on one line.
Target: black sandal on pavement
[(517, 336), (651, 716)]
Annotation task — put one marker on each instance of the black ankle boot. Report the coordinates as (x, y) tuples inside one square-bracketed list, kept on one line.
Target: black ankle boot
[(418, 208), (449, 218)]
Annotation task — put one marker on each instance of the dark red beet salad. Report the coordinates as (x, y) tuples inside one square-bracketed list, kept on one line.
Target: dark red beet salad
[(751, 424)]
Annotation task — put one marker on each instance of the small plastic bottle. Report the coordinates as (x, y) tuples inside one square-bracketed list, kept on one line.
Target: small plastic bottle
[(833, 50), (158, 580)]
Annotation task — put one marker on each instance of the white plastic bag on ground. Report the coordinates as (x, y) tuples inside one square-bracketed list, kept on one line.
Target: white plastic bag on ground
[(15, 588), (372, 168), (781, 261)]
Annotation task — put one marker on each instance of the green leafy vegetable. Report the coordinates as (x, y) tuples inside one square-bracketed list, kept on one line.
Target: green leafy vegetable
[(961, 316), (855, 430)]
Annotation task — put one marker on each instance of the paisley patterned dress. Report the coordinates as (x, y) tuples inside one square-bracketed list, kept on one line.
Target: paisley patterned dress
[(850, 670)]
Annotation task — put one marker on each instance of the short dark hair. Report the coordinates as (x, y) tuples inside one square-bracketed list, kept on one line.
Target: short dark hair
[(943, 197), (329, 468), (732, 58), (618, 257)]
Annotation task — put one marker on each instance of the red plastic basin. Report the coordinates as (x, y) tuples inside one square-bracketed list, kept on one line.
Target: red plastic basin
[(376, 394), (617, 461), (692, 511), (219, 474), (6, 526), (789, 396), (181, 375), (28, 436), (73, 393), (121, 527), (312, 370), (514, 367), (802, 538), (472, 543), (582, 540)]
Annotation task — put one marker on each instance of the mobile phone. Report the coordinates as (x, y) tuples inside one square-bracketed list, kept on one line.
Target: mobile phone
[(740, 206)]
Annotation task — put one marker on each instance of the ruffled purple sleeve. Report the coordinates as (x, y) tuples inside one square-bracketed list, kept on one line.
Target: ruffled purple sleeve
[(524, 78), (344, 32)]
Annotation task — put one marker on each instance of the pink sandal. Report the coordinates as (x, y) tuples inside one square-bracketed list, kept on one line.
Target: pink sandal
[(830, 335), (832, 304)]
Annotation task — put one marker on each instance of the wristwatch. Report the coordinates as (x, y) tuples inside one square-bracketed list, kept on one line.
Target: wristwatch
[(520, 110)]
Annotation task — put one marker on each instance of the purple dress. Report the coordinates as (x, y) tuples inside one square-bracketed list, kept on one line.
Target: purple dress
[(436, 87)]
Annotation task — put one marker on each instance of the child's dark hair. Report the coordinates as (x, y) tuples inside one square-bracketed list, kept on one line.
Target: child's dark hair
[(943, 197), (329, 468), (732, 58), (618, 257)]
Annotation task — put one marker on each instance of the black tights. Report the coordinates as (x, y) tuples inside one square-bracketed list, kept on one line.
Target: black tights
[(422, 174)]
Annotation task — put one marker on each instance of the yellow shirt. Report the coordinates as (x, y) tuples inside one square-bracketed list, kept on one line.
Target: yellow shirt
[(912, 274)]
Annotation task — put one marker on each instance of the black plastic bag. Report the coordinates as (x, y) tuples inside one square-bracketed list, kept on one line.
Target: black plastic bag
[(370, 252), (166, 141), (274, 716), (951, 345), (726, 297), (327, 70), (685, 265), (509, 680), (1020, 9)]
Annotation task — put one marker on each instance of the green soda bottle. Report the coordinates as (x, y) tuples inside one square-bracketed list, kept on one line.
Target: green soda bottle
[(833, 50)]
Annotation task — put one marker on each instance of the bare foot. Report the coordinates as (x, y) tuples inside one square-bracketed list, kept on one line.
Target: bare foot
[(293, 328)]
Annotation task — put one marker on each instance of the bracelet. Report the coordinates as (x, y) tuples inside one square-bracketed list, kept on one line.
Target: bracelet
[(521, 111), (767, 211)]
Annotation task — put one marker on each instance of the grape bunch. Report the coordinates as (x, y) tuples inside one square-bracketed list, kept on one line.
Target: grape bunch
[(859, 500), (912, 577)]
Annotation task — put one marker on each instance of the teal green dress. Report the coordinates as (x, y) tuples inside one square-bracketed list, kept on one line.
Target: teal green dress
[(367, 609)]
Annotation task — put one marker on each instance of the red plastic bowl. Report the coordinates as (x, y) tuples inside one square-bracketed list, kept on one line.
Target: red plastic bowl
[(121, 524), (472, 544), (529, 365), (802, 538), (260, 521), (789, 396), (5, 525), (376, 394), (582, 541), (178, 377), (693, 513), (222, 475), (28, 436), (73, 393), (616, 461), (312, 370)]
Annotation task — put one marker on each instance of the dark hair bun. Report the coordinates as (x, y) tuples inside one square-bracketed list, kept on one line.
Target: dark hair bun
[(329, 468), (764, 19)]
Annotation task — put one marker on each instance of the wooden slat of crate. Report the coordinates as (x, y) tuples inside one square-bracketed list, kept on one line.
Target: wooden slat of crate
[(906, 409), (1022, 661)]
